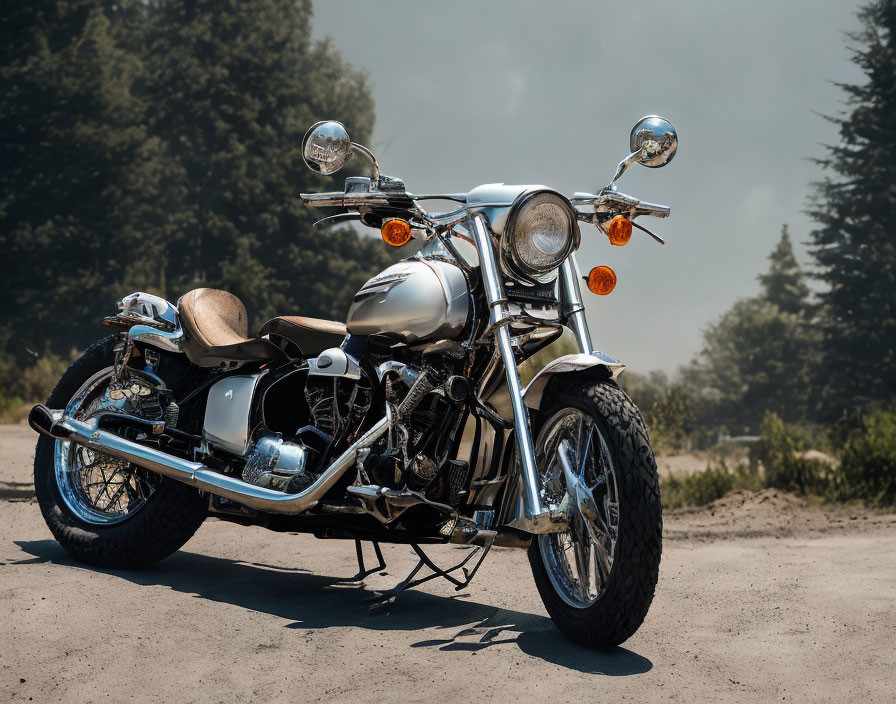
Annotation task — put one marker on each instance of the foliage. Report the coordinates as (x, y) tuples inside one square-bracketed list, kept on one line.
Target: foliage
[(644, 389), (671, 420), (781, 452), (760, 355), (23, 385), (154, 146), (78, 170), (867, 449), (784, 285), (854, 245), (704, 487)]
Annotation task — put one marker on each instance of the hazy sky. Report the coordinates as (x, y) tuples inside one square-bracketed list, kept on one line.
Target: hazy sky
[(547, 92)]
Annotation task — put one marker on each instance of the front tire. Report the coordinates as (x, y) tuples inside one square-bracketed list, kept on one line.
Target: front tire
[(597, 580), (166, 514)]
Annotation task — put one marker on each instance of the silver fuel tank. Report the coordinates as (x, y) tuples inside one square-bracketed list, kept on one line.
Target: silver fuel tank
[(417, 299)]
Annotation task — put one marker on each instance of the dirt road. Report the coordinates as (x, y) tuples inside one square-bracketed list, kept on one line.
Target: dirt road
[(761, 598)]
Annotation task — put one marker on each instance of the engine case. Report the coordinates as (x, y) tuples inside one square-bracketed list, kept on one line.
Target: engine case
[(417, 300)]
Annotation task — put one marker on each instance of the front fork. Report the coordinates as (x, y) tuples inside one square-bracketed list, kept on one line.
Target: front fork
[(535, 518)]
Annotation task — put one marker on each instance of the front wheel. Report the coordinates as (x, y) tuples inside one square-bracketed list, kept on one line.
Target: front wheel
[(597, 578)]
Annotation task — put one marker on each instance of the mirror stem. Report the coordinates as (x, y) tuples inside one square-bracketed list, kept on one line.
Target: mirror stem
[(625, 163), (361, 149)]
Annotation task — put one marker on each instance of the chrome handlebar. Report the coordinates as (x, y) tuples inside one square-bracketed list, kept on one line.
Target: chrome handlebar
[(609, 200), (598, 207)]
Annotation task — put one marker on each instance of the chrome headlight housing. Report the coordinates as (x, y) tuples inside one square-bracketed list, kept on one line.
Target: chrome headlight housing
[(541, 232)]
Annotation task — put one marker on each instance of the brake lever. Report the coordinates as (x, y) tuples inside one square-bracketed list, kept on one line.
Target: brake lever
[(339, 217), (644, 229)]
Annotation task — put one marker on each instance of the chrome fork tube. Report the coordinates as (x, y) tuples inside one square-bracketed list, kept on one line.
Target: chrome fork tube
[(571, 297), (498, 312)]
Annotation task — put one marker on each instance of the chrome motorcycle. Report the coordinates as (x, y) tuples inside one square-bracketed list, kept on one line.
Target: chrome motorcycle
[(461, 402)]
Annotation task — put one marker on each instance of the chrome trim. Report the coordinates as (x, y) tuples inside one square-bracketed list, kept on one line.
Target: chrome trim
[(407, 374), (656, 139), (535, 518), (326, 146), (168, 341), (227, 410), (494, 201), (572, 305), (148, 309), (334, 362), (567, 364), (196, 474), (511, 262)]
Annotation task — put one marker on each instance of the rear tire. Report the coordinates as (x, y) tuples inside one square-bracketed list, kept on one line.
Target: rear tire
[(164, 523), (622, 603)]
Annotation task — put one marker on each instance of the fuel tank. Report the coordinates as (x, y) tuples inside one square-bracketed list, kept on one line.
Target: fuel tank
[(417, 299)]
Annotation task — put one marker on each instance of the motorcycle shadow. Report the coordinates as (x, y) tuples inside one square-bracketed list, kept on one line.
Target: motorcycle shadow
[(311, 601)]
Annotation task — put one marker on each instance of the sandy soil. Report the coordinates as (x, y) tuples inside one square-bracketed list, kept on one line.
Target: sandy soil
[(762, 597)]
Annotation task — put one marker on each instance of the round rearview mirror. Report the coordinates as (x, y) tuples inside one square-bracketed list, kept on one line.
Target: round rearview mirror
[(657, 137), (326, 146)]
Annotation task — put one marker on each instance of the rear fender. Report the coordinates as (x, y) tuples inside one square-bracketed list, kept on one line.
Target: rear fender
[(151, 320)]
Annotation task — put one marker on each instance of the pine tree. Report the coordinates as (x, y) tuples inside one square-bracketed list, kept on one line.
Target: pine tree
[(154, 145), (761, 355), (784, 283), (77, 170), (234, 86), (855, 243)]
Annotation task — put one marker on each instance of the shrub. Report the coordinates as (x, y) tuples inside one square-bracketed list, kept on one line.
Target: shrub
[(22, 386), (867, 448), (704, 487), (780, 452), (671, 420)]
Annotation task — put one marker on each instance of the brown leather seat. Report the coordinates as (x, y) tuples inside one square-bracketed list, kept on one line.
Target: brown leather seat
[(216, 330), (311, 335)]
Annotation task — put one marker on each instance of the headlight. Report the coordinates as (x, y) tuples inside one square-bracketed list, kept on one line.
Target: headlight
[(541, 232)]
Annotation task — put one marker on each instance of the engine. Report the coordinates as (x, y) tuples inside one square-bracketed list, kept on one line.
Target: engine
[(426, 401)]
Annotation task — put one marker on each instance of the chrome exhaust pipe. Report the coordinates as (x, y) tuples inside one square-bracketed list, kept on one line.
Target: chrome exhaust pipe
[(87, 433)]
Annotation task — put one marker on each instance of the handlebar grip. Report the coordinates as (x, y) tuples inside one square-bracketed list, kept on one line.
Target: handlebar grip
[(654, 209), (336, 199)]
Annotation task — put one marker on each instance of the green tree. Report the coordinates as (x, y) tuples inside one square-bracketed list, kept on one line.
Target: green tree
[(234, 85), (671, 420), (78, 173), (855, 245), (784, 284), (154, 145), (760, 355)]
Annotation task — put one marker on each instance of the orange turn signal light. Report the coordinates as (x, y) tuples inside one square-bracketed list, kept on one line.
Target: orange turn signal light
[(601, 280), (396, 232), (619, 230)]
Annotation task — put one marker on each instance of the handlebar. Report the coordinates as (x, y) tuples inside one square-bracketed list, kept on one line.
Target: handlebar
[(611, 200), (607, 202)]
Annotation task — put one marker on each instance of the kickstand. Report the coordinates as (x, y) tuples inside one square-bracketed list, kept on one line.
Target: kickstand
[(389, 597), (362, 572)]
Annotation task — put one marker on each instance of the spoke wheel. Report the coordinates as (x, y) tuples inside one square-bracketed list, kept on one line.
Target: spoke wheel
[(579, 475), (597, 578), (97, 488)]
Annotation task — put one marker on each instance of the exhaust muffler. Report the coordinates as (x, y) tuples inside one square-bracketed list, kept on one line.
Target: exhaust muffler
[(88, 433)]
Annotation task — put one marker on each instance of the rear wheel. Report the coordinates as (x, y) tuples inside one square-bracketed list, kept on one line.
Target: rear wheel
[(101, 509), (597, 579)]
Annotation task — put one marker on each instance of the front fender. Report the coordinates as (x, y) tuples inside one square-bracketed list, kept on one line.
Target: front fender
[(568, 364), (562, 356)]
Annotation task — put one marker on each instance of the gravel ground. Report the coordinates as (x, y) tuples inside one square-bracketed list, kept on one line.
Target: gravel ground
[(762, 597)]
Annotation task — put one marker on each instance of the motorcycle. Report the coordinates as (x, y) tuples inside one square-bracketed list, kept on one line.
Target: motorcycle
[(461, 402)]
